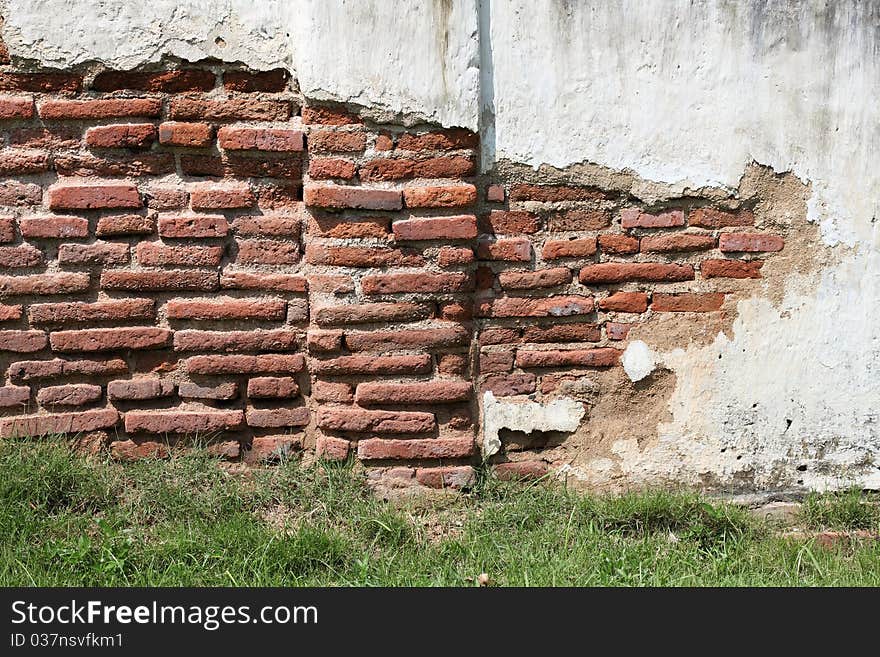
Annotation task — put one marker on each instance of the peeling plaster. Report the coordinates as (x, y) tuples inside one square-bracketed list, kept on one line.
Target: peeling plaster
[(561, 414), (638, 360)]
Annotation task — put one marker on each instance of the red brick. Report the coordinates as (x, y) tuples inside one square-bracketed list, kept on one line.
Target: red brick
[(16, 193), (226, 308), (512, 222), (453, 364), (274, 418), (407, 339), (19, 162), (749, 242), (499, 335), (159, 281), (514, 249), (231, 164), (326, 391), (450, 255), (100, 109), (53, 227), (563, 333), (423, 282), (130, 450), (561, 306), (272, 387), (323, 168), (105, 253), (427, 392), (110, 339), (687, 302), (219, 392), (12, 396), (247, 81), (349, 227), (7, 230), (508, 385), (520, 470), (17, 257), (23, 342), (635, 218), (188, 135), (337, 141), (239, 280), (625, 302), (455, 311), (85, 165), (235, 341), (529, 280), (712, 218), (59, 423), (258, 364), (400, 169), (125, 224), (425, 448), (182, 422), (48, 137), (446, 196), (88, 197), (267, 252), (384, 142), (361, 256), (155, 254), (28, 370), (130, 135), (268, 225), (618, 244), (453, 477), (9, 313), (368, 364), (211, 197), (677, 242), (202, 225), (496, 361), (495, 193), (362, 421), (163, 81), (612, 272), (601, 357), (248, 108), (40, 82), (16, 107), (43, 284), (139, 389), (371, 312), (439, 140), (580, 220), (240, 138), (318, 115), (324, 341), (69, 395), (437, 228), (332, 449), (575, 248), (335, 196), (731, 268), (617, 330), (554, 193)]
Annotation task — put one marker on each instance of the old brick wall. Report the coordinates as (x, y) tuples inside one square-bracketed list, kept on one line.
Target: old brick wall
[(202, 253)]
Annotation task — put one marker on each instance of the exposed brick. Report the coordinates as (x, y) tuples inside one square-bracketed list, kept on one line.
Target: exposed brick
[(231, 164), (601, 357), (677, 242), (561, 306), (332, 449), (365, 364), (100, 109), (241, 138), (130, 135), (22, 341), (460, 477), (328, 391), (384, 142), (712, 218), (125, 224), (618, 244), (16, 107), (407, 339), (218, 392), (331, 225), (163, 81), (240, 280), (210, 197), (236, 341), (731, 268), (438, 140), (437, 228), (324, 341), (428, 392), (272, 387), (400, 169), (361, 256), (495, 193), (49, 137), (454, 364), (109, 339), (107, 253), (431, 448), (507, 385), (750, 242), (617, 330), (334, 196), (69, 395), (201, 225), (514, 249), (248, 108), (554, 193), (19, 162), (449, 256), (53, 227), (325, 115), (275, 225), (7, 230), (324, 168), (40, 82), (612, 272), (371, 312), (512, 222), (226, 308), (625, 302), (88, 197), (139, 389), (519, 470), (496, 361), (180, 422), (529, 280), (158, 281), (423, 282), (13, 396), (574, 248), (114, 165), (16, 193), (499, 335), (154, 254), (267, 252), (9, 313), (337, 141), (445, 196), (563, 333), (130, 450), (29, 370), (22, 256), (331, 284), (635, 218), (580, 220), (687, 302), (274, 418), (188, 135), (43, 284), (59, 423), (249, 81), (363, 421), (258, 364)]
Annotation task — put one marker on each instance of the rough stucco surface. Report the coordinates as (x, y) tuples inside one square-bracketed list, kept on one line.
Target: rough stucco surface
[(687, 93)]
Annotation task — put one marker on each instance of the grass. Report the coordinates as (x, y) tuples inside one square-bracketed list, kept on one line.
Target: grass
[(69, 520)]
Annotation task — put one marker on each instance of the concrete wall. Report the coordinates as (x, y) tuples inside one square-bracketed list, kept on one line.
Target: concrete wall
[(667, 100)]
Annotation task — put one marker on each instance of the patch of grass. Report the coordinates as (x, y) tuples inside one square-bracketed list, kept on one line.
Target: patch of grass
[(845, 510), (69, 520)]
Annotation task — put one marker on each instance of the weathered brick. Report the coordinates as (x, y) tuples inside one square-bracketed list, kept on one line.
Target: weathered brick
[(236, 341), (104, 253), (371, 312), (22, 341), (16, 193), (328, 391), (427, 392), (325, 115), (240, 138), (273, 80), (65, 196), (100, 109), (332, 449), (201, 225), (139, 389), (110, 339), (248, 108), (363, 421), (43, 284), (130, 450), (456, 311), (115, 165), (423, 282), (324, 341), (453, 364), (554, 193), (257, 364), (712, 218), (617, 330), (29, 370), (500, 335), (420, 448), (580, 220), (188, 135), (267, 252), (731, 268), (563, 333), (529, 280), (48, 137), (9, 313), (59, 423), (365, 364), (625, 302), (361, 256), (162, 81), (363, 198), (750, 242), (240, 280), (231, 164), (273, 225), (324, 168), (520, 470), (514, 249), (601, 357), (22, 256), (182, 422), (438, 140), (459, 477), (574, 248), (400, 169), (272, 387), (613, 272), (407, 339), (495, 193), (16, 107), (12, 396), (677, 242), (78, 394), (274, 418), (440, 196), (158, 281), (436, 228), (508, 385), (211, 197), (7, 230), (449, 256), (218, 392), (153, 254), (561, 306), (331, 225), (511, 222), (337, 141), (691, 302), (226, 308), (18, 162), (496, 361), (125, 224), (635, 218), (53, 227), (124, 135)]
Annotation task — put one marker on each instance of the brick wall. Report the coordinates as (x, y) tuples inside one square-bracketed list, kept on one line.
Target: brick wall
[(200, 253)]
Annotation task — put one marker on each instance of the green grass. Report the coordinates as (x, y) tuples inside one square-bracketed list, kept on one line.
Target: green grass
[(69, 520)]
